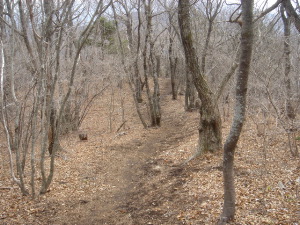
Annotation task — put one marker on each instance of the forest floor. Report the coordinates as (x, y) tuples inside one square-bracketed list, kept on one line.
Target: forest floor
[(136, 176)]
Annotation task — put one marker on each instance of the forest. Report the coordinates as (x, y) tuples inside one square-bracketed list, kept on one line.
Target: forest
[(149, 112)]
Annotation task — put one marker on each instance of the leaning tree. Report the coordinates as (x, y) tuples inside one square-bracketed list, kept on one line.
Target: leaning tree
[(210, 138)]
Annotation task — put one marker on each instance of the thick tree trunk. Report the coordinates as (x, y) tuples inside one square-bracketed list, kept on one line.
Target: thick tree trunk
[(239, 114), (210, 138)]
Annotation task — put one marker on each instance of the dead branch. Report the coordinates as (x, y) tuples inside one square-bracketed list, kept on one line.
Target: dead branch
[(121, 126)]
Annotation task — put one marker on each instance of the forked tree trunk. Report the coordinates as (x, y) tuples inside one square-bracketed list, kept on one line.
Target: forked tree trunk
[(210, 138), (239, 114)]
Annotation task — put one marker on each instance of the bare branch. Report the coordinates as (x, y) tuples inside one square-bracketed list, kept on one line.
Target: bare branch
[(268, 10), (290, 10)]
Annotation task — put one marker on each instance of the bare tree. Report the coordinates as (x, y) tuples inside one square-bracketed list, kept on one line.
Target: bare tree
[(143, 52), (134, 80), (210, 138), (190, 95), (126, 8), (172, 60), (239, 113), (38, 116), (292, 12), (212, 9), (172, 36), (149, 67), (286, 19), (2, 25)]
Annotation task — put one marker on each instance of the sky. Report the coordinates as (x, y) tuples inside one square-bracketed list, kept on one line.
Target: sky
[(258, 2)]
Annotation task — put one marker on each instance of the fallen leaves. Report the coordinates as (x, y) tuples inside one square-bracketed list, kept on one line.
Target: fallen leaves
[(140, 171)]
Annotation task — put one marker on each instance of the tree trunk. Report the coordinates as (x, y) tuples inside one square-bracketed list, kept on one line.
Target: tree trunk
[(210, 137), (173, 64), (239, 114), (158, 66), (207, 40), (2, 27), (149, 69), (292, 12), (137, 82), (287, 63), (137, 77), (212, 9), (135, 65), (190, 99), (53, 133)]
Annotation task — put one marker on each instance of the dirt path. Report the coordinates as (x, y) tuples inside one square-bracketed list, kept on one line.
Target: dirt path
[(133, 177), (138, 182)]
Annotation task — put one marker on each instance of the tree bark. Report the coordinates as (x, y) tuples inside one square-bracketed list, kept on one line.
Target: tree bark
[(211, 12), (173, 64), (291, 11), (131, 82), (210, 137), (137, 76), (190, 95), (287, 63), (2, 27), (239, 114), (149, 68)]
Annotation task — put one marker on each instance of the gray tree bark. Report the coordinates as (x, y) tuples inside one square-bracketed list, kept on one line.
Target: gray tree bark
[(292, 12), (2, 27), (286, 19), (210, 137), (132, 81), (173, 63), (239, 114), (190, 95), (211, 14), (149, 68)]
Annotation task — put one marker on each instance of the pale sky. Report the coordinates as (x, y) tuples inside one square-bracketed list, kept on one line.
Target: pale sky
[(259, 3)]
